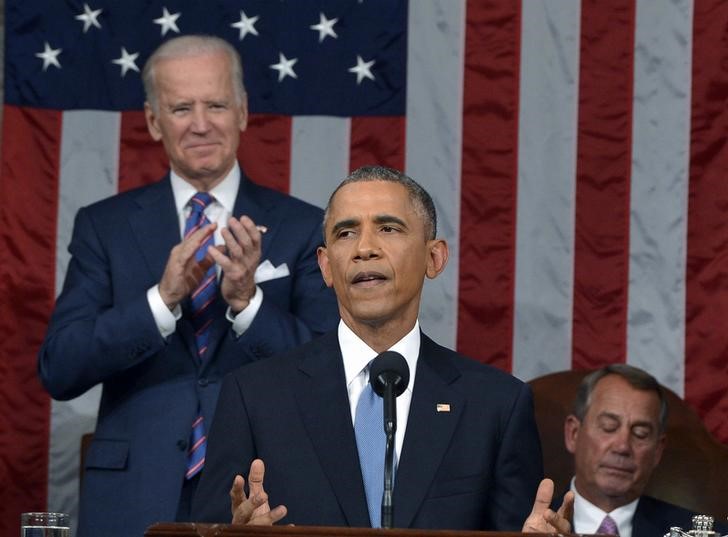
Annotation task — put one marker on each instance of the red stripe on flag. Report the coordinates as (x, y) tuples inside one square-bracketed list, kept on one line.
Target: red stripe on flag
[(377, 140), (265, 151), (706, 335), (28, 220), (489, 174), (141, 161), (604, 151)]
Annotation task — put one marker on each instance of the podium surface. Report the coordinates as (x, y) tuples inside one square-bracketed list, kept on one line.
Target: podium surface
[(226, 530)]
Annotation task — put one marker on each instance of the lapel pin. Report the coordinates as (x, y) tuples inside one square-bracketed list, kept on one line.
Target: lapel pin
[(443, 407)]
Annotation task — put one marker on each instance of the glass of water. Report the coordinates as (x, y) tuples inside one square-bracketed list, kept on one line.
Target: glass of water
[(44, 525)]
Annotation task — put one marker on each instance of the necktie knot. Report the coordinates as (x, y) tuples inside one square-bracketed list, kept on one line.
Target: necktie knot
[(200, 201), (196, 219), (608, 526)]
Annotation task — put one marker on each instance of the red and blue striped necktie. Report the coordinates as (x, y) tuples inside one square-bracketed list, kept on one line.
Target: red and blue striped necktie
[(203, 297), (202, 313)]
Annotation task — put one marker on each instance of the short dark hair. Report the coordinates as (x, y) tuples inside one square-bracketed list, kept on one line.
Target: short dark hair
[(422, 201), (635, 377)]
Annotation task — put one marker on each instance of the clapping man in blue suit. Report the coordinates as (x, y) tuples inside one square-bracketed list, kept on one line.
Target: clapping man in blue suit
[(466, 443), (171, 286)]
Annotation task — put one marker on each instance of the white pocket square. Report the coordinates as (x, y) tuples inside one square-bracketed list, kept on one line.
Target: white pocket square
[(266, 271)]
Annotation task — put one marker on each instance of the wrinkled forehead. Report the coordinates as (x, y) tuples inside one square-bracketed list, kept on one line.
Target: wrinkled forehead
[(615, 396), (365, 199)]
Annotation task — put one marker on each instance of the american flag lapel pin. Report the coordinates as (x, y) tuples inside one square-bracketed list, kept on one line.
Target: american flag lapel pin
[(442, 407)]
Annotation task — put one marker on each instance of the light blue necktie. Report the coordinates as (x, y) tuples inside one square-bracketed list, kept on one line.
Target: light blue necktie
[(370, 441)]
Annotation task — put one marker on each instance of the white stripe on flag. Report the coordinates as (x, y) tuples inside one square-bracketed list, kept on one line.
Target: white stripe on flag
[(547, 123), (89, 172), (659, 190), (435, 59), (319, 156)]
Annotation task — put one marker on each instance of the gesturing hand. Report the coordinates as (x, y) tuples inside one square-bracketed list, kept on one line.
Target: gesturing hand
[(253, 508), (542, 519)]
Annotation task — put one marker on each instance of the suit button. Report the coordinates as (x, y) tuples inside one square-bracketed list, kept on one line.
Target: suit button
[(203, 382), (182, 445)]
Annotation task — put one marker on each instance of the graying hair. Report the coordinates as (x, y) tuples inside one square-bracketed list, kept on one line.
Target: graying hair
[(421, 200), (635, 377), (187, 46)]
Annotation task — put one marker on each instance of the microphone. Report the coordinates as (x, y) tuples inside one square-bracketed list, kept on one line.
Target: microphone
[(389, 377)]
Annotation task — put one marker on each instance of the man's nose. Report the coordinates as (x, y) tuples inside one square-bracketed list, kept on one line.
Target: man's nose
[(367, 246), (200, 121), (622, 441)]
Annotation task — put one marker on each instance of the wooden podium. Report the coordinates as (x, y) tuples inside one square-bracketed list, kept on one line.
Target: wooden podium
[(225, 530)]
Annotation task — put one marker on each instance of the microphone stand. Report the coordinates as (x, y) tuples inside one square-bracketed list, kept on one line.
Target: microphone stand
[(390, 428), (389, 376)]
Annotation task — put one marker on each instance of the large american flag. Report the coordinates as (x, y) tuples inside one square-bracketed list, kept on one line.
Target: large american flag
[(576, 151)]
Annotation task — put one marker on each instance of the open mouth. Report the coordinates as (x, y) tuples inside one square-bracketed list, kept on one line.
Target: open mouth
[(368, 279)]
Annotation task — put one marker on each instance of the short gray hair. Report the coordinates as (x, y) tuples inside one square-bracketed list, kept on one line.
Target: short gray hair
[(187, 46), (422, 201), (634, 376)]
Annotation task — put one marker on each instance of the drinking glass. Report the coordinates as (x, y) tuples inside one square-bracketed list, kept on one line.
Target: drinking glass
[(44, 525)]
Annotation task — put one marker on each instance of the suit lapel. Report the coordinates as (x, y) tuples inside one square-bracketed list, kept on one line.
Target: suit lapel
[(155, 225), (324, 406), (646, 522), (252, 202), (156, 231), (428, 433), (249, 201)]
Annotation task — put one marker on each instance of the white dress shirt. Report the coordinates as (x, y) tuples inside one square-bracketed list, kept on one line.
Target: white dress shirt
[(357, 356), (218, 211), (588, 517)]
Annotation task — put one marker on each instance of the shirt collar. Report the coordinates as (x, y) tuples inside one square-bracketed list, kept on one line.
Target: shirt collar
[(358, 354), (224, 192), (588, 517)]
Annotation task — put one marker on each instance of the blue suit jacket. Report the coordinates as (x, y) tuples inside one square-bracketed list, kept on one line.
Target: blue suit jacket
[(474, 467), (102, 331)]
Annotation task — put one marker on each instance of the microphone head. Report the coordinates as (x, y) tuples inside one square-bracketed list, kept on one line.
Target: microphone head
[(389, 368)]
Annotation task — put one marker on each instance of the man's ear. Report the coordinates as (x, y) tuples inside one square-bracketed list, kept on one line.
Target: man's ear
[(152, 122), (661, 442), (323, 262), (437, 256), (243, 121), (571, 432)]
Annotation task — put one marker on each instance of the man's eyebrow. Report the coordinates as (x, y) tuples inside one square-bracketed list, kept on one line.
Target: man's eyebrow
[(389, 219), (378, 219), (616, 417), (642, 423), (180, 102), (349, 222)]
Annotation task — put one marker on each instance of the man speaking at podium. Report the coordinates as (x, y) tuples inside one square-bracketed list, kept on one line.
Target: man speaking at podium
[(467, 449)]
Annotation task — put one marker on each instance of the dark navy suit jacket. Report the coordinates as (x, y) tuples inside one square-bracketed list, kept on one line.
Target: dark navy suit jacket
[(654, 518), (102, 331), (476, 466)]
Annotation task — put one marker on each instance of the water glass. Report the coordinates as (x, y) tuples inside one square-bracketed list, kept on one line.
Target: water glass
[(44, 525)]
